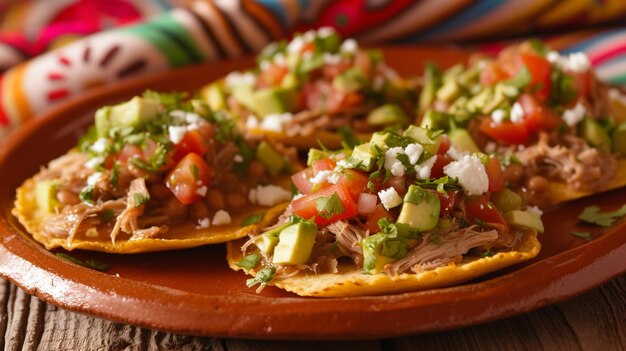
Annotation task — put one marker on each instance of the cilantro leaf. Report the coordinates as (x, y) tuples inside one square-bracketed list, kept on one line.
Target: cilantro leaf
[(583, 235), (487, 253), (249, 262), (435, 239), (521, 79), (93, 264), (140, 199), (329, 206), (252, 219), (263, 276), (592, 215), (107, 215), (86, 195), (195, 171), (348, 137), (115, 175)]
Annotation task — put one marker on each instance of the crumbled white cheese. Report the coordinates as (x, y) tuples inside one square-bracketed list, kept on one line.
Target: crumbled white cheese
[(238, 158), (202, 190), (94, 178), (280, 60), (252, 122), (236, 78), (390, 156), (517, 113), (423, 170), (414, 151), (275, 122), (389, 198), (576, 62), (535, 210), (309, 36), (497, 116), (297, 196), (192, 118), (264, 65), (268, 195), (100, 145), (574, 115), (176, 133), (94, 162), (491, 147), (343, 164), (325, 32), (203, 223), (221, 217), (178, 114), (471, 174), (456, 154), (331, 177), (349, 46), (331, 59), (295, 45)]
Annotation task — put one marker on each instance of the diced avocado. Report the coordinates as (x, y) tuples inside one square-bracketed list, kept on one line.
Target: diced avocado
[(452, 73), (46, 194), (290, 81), (420, 210), (270, 158), (507, 200), (449, 91), (316, 155), (594, 134), (242, 93), (480, 100), (432, 82), (421, 135), (103, 122), (381, 139), (387, 114), (273, 100), (295, 244), (462, 140), (266, 243), (435, 120), (459, 110), (134, 112), (363, 156), (351, 80), (200, 107), (468, 77), (619, 139), (374, 261), (329, 43), (315, 62), (525, 219), (215, 96)]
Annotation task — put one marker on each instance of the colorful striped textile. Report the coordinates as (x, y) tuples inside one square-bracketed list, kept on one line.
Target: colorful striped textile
[(53, 50)]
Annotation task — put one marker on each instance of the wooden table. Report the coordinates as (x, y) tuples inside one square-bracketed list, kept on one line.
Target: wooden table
[(593, 321)]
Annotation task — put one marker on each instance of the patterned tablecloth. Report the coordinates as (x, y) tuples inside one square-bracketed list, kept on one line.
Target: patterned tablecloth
[(52, 50)]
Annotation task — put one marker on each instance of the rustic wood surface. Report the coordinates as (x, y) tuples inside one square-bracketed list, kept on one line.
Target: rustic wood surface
[(593, 321)]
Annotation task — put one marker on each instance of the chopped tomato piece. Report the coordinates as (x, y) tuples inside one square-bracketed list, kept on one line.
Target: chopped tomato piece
[(129, 151), (537, 117), (271, 76), (302, 180), (325, 164), (582, 83), (354, 181), (372, 220), (192, 141), (479, 207), (306, 206), (447, 201), (492, 73), (444, 145), (540, 70), (440, 163), (188, 177), (505, 132), (494, 172)]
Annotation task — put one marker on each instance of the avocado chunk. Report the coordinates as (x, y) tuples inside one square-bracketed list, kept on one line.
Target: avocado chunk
[(266, 243), (423, 137), (295, 244), (242, 93), (594, 134), (273, 101), (328, 43), (351, 80), (315, 62), (102, 121), (420, 210), (134, 112), (387, 115), (507, 200), (290, 81), (462, 140), (363, 156), (480, 100), (436, 120), (619, 139), (215, 96), (449, 91), (432, 82), (374, 261), (316, 155), (270, 158), (381, 139), (46, 194), (524, 219)]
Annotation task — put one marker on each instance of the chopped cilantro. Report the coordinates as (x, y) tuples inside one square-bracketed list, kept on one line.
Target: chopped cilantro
[(253, 219), (157, 160), (442, 184), (93, 264), (115, 175), (562, 89), (86, 195), (435, 239), (249, 262), (348, 137), (487, 253), (521, 79), (479, 222), (539, 46), (263, 276), (582, 235), (329, 206), (592, 215), (140, 199), (107, 215)]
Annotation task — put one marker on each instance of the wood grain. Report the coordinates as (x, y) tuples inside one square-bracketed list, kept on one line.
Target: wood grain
[(593, 321)]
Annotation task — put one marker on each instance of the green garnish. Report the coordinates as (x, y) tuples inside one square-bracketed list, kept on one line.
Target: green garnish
[(93, 264), (86, 195), (249, 262), (195, 171), (107, 215), (329, 206), (521, 79), (583, 235), (157, 160), (479, 222), (435, 239), (350, 141), (487, 253), (262, 277), (140, 199), (252, 219), (592, 215)]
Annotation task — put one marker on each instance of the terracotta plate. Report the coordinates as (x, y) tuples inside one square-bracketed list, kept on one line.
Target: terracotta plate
[(193, 291)]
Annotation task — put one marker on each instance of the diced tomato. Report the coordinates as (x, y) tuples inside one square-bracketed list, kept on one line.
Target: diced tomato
[(494, 172), (444, 145), (308, 47), (582, 83), (479, 207), (363, 61), (447, 201), (331, 71), (306, 206), (189, 175), (354, 181), (129, 151), (537, 117), (372, 220), (271, 76), (325, 164), (440, 163), (492, 73), (352, 99), (397, 183), (540, 70), (505, 132), (302, 180), (192, 142)]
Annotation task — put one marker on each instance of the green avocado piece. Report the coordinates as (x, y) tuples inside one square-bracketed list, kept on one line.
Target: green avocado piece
[(316, 155), (387, 114), (103, 121), (381, 139), (524, 219), (134, 112), (468, 77), (374, 261), (432, 82), (329, 43), (507, 200), (363, 156), (242, 93), (480, 100), (619, 139), (351, 80), (215, 96), (421, 135), (290, 81), (270, 158), (436, 120), (449, 91), (46, 194), (420, 210), (594, 134), (266, 243), (295, 244), (306, 66), (273, 100), (462, 140)]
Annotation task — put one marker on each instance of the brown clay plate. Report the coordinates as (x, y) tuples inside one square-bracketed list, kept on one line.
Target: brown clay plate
[(193, 291)]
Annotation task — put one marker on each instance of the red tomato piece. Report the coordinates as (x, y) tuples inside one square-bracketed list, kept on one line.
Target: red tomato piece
[(354, 181), (505, 132), (492, 73), (494, 172), (540, 70), (440, 163), (325, 164), (479, 207), (189, 175), (444, 145), (582, 83), (372, 220), (447, 201), (302, 180), (537, 117), (192, 141), (271, 76), (306, 206), (129, 151)]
